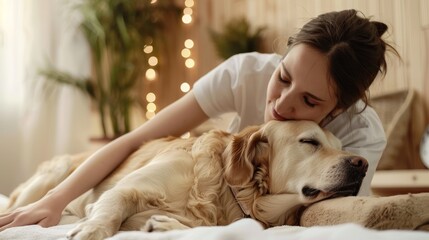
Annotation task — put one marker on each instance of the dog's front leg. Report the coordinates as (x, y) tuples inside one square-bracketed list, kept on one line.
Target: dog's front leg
[(105, 216), (162, 223)]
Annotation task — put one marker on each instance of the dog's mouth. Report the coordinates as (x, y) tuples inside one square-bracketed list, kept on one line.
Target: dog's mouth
[(348, 185), (310, 192), (350, 189)]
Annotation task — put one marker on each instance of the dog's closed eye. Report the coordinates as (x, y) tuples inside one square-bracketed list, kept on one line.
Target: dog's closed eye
[(311, 141)]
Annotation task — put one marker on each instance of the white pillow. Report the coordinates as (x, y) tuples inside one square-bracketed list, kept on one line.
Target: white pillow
[(3, 202)]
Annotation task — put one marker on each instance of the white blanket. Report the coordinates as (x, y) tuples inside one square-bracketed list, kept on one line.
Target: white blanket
[(248, 229), (243, 229)]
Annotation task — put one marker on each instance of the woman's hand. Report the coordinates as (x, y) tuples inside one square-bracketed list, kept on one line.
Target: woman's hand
[(46, 212)]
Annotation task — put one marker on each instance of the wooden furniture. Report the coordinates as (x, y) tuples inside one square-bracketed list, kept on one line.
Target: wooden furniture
[(393, 182)]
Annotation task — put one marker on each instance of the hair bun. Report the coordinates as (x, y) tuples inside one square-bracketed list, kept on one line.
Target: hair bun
[(381, 27)]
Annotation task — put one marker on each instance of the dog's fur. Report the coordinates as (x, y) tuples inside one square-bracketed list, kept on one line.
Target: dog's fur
[(175, 183)]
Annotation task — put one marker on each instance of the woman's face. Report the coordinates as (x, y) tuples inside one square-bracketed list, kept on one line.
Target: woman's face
[(301, 88)]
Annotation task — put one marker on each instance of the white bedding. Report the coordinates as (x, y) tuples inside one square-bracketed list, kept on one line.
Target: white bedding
[(247, 229), (243, 229)]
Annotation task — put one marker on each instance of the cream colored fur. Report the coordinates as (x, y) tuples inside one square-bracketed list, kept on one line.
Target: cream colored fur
[(175, 183), (406, 211)]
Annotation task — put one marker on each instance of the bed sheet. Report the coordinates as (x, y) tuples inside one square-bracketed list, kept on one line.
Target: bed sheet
[(248, 229)]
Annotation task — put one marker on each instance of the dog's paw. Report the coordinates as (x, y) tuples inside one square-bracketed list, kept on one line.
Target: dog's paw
[(89, 231), (162, 223)]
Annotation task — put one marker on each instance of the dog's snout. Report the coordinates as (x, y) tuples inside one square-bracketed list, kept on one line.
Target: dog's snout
[(359, 163)]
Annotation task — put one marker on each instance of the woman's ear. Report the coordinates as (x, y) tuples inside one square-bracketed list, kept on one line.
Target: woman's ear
[(248, 149)]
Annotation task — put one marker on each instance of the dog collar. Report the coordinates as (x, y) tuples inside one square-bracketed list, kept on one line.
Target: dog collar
[(244, 210)]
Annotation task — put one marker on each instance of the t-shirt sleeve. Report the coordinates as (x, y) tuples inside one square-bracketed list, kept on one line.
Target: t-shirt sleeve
[(214, 91)]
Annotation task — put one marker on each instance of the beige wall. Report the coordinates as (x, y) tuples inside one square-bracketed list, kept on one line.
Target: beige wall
[(408, 23)]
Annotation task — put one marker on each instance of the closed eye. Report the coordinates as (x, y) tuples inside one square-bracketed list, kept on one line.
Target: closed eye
[(310, 141), (282, 79), (309, 102)]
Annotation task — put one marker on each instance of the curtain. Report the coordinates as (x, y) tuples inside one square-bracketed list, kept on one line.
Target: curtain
[(39, 119)]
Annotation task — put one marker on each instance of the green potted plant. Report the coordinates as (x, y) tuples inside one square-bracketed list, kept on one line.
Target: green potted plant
[(236, 37), (117, 31)]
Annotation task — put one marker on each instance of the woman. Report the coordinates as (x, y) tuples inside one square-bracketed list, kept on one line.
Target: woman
[(329, 66)]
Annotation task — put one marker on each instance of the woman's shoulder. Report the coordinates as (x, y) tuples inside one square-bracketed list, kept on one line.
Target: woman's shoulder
[(243, 65), (255, 61), (237, 85), (358, 122)]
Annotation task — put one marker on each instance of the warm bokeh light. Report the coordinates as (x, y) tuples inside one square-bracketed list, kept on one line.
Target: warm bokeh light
[(150, 97), (148, 49), (186, 19), (187, 11), (151, 107), (189, 3), (186, 53), (150, 74), (189, 43), (189, 63), (185, 87), (150, 115), (153, 61)]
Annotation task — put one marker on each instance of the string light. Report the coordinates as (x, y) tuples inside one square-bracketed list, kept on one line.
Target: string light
[(189, 3), (185, 87), (186, 19), (151, 107), (150, 74), (189, 43), (148, 49), (153, 61), (151, 97), (186, 53), (189, 63), (150, 115), (187, 11)]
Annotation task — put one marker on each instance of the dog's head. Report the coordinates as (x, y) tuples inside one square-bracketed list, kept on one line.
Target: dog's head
[(288, 165)]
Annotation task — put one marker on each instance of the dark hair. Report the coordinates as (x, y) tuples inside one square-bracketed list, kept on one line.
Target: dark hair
[(354, 48)]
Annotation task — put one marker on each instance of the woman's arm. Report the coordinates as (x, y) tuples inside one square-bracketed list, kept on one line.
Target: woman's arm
[(176, 119)]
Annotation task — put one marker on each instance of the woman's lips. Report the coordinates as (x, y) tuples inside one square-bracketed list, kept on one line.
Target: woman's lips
[(278, 116)]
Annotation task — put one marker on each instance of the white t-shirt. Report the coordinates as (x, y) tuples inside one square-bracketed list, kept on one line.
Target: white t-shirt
[(239, 85)]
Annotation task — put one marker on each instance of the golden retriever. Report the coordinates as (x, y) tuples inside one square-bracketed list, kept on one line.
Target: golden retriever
[(266, 172)]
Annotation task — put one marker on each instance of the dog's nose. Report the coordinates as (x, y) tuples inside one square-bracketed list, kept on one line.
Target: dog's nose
[(359, 163)]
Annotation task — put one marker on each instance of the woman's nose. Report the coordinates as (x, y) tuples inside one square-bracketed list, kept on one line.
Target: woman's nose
[(286, 104)]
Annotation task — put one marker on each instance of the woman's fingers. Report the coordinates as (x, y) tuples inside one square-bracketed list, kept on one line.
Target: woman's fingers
[(43, 213), (4, 215), (6, 220), (19, 218)]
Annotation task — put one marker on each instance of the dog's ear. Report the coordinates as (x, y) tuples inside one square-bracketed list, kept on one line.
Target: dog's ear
[(247, 158)]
